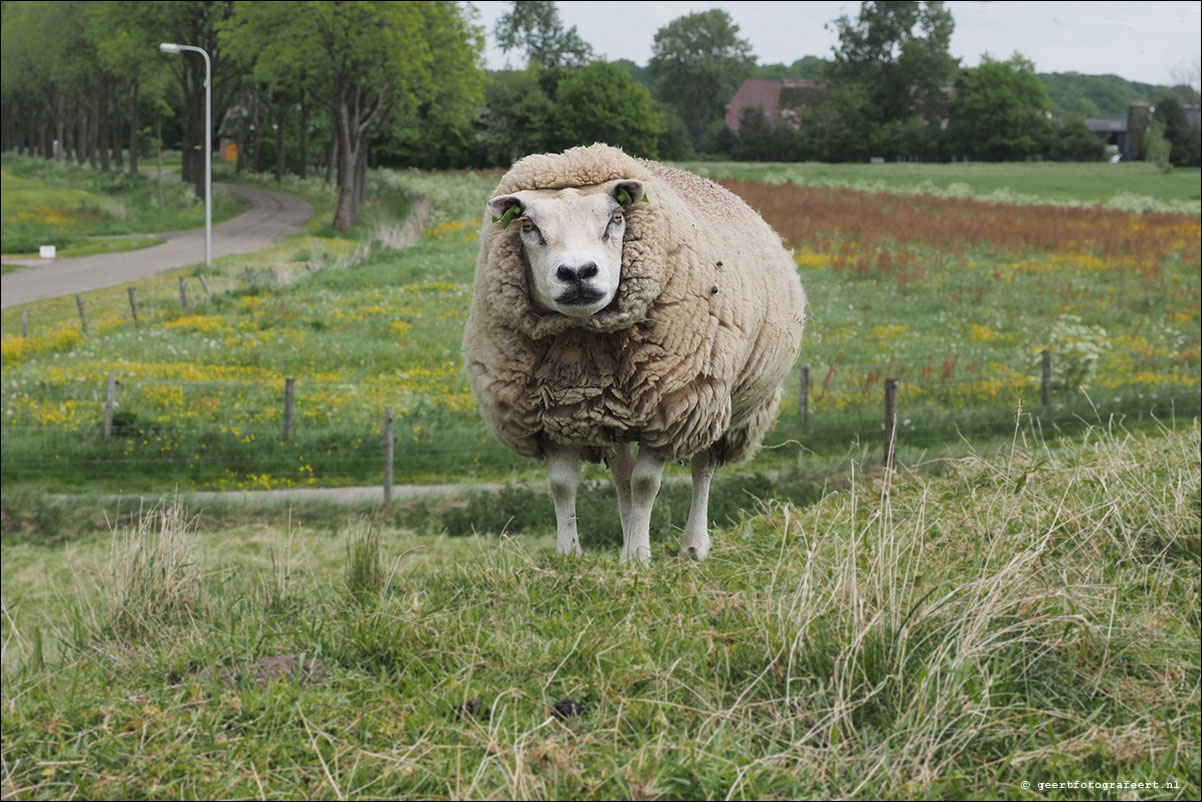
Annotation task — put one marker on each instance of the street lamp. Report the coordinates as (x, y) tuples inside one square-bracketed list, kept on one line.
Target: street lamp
[(168, 47)]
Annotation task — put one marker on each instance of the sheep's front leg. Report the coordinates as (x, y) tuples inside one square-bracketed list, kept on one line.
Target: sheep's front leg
[(644, 485), (621, 465), (563, 478), (696, 540)]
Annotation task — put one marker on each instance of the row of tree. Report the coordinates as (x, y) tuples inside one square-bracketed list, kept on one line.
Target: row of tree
[(350, 84)]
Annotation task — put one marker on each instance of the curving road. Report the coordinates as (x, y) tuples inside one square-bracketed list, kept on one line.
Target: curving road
[(272, 217)]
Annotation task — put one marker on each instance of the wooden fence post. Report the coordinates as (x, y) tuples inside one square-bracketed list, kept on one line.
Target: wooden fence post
[(83, 320), (289, 394), (388, 452), (133, 305), (110, 397), (803, 400), (1045, 378), (890, 421), (25, 324), (205, 284), (183, 293)]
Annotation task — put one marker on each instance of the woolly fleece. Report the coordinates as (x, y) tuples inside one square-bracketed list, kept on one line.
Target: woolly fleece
[(706, 323)]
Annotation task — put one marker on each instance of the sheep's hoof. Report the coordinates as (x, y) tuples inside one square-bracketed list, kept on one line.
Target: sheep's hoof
[(695, 552)]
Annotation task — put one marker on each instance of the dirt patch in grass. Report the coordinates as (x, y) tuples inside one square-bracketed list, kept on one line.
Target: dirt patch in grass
[(277, 668)]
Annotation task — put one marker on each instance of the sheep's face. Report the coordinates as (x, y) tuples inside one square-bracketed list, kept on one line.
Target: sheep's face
[(573, 242)]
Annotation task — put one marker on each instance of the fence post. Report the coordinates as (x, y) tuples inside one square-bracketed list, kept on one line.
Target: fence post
[(803, 400), (83, 320), (890, 421), (133, 305), (110, 396), (205, 284), (183, 293), (388, 419), (1045, 379), (289, 388), (25, 324)]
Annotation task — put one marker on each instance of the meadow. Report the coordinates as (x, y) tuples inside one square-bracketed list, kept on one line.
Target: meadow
[(82, 211), (974, 629), (954, 297), (1016, 606)]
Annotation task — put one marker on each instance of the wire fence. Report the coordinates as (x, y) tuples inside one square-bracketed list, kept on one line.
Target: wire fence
[(273, 431)]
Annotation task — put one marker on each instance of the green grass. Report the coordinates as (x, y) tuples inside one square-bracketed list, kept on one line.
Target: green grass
[(1060, 182), (1026, 616), (62, 204)]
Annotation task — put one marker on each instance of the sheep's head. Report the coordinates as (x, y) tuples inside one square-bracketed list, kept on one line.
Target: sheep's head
[(573, 241)]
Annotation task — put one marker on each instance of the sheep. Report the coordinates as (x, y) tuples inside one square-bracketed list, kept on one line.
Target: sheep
[(620, 301)]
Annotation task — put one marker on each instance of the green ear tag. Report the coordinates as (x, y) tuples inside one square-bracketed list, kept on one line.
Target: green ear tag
[(510, 213), (623, 196)]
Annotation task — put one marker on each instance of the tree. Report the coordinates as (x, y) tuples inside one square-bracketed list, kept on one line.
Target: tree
[(897, 51), (697, 62), (517, 117), (602, 103), (1001, 111), (1176, 131), (370, 62), (534, 26), (1074, 142)]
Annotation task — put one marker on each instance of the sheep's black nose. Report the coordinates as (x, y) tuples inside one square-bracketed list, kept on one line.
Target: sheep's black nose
[(579, 273)]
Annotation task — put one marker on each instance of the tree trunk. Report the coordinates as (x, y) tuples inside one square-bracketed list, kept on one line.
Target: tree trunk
[(332, 151), (103, 128), (304, 140), (115, 134), (258, 162), (344, 215), (134, 133), (361, 174), (281, 109)]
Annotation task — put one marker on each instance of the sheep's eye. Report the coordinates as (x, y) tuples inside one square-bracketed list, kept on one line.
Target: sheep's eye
[(527, 226), (617, 218)]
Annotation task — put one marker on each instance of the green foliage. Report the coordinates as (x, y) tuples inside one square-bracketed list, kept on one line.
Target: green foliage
[(601, 103), (1001, 111), (810, 68), (535, 27), (1157, 147), (899, 54), (518, 117), (1073, 141), (1075, 95), (697, 62), (1182, 138)]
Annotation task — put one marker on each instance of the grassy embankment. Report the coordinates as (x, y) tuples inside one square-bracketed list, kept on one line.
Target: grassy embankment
[(972, 630), (954, 297), (84, 211)]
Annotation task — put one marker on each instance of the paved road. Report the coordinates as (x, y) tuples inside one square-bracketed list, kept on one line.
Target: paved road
[(271, 218)]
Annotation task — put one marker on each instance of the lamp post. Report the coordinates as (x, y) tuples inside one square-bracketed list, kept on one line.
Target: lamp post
[(168, 47)]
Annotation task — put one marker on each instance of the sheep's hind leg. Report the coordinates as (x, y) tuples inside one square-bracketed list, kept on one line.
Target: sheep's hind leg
[(621, 463), (644, 485), (696, 540), (563, 478)]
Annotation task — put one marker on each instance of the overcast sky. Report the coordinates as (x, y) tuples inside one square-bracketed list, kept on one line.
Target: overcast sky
[(1150, 42)]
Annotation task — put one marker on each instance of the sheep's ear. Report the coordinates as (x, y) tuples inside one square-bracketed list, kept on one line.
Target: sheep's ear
[(628, 192), (504, 208)]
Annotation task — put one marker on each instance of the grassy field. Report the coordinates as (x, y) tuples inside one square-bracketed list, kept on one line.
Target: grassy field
[(976, 629), (71, 207), (1133, 186), (1017, 607), (954, 297)]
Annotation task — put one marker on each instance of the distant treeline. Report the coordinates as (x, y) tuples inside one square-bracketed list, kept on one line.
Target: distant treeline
[(338, 87)]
